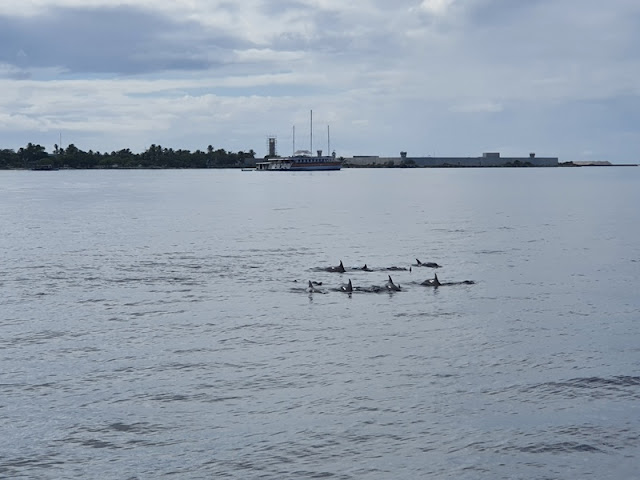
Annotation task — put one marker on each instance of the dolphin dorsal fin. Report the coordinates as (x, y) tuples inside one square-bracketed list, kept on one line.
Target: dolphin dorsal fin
[(310, 284), (418, 262), (349, 286), (435, 279)]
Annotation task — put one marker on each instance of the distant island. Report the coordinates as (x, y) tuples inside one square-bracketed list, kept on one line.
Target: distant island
[(35, 157)]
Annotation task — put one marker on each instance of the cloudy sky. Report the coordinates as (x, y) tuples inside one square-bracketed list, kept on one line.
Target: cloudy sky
[(431, 77)]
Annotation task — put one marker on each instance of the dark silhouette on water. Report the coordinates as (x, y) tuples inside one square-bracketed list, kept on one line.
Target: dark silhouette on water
[(338, 269), (427, 264), (392, 287), (432, 282), (435, 282), (348, 287), (312, 289)]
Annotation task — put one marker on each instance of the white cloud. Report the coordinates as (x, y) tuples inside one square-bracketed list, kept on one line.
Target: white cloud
[(437, 7)]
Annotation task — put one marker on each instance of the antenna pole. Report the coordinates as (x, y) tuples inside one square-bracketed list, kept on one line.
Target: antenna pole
[(311, 136)]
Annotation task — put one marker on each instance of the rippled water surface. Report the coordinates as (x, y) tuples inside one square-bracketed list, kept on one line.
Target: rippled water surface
[(157, 324)]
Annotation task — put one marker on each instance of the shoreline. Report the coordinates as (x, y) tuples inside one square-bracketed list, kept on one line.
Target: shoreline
[(344, 166)]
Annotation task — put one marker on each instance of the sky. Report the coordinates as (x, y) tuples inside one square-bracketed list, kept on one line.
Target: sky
[(559, 78)]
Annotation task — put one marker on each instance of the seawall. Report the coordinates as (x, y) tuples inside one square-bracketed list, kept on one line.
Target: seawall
[(486, 160)]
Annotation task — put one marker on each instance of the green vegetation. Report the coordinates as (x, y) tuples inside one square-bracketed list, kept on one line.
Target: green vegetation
[(34, 156)]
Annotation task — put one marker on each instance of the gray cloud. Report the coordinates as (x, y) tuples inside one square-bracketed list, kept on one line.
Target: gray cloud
[(551, 28), (119, 40), (336, 33), (277, 8), (13, 73)]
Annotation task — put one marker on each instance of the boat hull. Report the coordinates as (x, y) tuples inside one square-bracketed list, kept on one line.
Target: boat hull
[(311, 168), (299, 164)]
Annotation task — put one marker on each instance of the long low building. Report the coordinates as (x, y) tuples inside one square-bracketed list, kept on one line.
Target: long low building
[(488, 159)]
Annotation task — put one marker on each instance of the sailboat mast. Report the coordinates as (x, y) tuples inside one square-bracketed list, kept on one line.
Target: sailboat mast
[(328, 141), (294, 141), (311, 135)]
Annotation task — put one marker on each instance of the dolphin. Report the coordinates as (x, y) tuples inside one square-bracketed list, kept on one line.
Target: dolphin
[(366, 269), (392, 287), (427, 264), (371, 289), (432, 282), (312, 289), (339, 268), (347, 287)]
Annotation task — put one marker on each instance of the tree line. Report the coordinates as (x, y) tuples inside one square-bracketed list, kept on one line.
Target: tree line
[(156, 156)]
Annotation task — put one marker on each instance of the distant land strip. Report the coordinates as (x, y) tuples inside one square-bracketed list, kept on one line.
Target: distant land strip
[(35, 157)]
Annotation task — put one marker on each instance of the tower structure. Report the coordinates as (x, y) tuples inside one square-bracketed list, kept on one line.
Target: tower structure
[(272, 144)]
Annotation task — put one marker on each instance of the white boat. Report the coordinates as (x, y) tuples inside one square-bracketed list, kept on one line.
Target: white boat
[(301, 161)]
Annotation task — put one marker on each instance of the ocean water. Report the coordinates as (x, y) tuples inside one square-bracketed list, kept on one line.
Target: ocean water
[(157, 324)]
